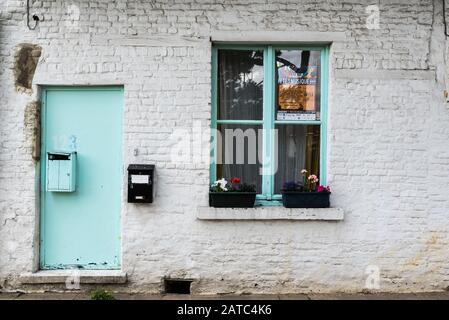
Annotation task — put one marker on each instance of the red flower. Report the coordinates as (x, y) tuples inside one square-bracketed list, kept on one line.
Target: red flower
[(235, 180)]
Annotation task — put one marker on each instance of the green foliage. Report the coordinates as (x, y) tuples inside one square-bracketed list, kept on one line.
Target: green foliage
[(216, 188), (101, 294), (247, 188)]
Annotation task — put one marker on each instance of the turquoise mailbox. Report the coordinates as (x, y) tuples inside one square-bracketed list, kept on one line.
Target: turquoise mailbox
[(61, 171)]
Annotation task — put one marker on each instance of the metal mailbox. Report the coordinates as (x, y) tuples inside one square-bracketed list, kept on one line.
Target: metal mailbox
[(140, 183), (61, 171)]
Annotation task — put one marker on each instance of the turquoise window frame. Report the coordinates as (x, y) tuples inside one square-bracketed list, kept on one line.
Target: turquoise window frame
[(269, 122)]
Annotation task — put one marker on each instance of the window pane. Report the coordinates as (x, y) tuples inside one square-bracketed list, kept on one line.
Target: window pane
[(240, 85), (298, 148), (298, 88), (238, 154)]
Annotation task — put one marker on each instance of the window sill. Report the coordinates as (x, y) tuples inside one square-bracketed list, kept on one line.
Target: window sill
[(86, 276), (270, 213)]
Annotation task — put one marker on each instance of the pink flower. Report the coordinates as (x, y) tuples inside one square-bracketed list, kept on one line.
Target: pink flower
[(313, 178), (323, 189)]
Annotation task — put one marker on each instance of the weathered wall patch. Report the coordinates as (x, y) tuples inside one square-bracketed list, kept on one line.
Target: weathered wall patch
[(25, 62), (32, 127)]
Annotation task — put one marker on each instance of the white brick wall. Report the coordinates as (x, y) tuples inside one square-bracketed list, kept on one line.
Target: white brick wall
[(388, 158)]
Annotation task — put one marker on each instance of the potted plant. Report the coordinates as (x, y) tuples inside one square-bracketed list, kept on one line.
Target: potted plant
[(232, 194), (306, 194)]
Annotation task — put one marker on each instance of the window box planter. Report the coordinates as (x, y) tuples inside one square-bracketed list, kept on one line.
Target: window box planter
[(299, 199), (232, 199)]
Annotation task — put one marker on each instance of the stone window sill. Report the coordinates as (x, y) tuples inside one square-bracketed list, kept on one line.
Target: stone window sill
[(86, 276), (270, 213)]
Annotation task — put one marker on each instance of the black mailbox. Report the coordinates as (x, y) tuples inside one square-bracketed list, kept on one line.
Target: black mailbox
[(140, 183)]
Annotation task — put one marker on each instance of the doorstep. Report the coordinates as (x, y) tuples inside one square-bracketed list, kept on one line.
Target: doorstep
[(86, 276), (270, 213)]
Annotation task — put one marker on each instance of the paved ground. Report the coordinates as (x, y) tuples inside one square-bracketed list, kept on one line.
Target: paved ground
[(121, 296)]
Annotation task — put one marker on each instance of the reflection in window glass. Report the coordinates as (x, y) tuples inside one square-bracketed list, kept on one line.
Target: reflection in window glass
[(298, 85), (237, 155), (298, 148), (240, 84)]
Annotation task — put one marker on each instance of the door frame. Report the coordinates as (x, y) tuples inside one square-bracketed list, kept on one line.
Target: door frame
[(40, 263)]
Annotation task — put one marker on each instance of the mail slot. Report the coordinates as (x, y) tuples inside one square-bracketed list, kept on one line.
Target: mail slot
[(61, 171), (140, 183)]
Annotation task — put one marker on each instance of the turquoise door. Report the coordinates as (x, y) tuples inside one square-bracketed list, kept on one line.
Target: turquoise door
[(81, 229)]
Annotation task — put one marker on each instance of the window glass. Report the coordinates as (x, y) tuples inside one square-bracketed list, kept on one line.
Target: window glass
[(240, 85), (238, 153), (292, 109), (298, 149), (298, 89)]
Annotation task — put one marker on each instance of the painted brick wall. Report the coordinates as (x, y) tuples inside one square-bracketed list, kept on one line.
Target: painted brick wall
[(388, 158)]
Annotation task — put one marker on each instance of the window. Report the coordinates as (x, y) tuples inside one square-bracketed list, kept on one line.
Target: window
[(269, 111)]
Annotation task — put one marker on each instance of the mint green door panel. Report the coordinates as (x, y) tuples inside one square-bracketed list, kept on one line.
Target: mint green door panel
[(82, 228)]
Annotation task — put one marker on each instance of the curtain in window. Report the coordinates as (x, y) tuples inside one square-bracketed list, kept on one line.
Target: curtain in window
[(240, 85), (240, 97), (298, 149), (240, 148)]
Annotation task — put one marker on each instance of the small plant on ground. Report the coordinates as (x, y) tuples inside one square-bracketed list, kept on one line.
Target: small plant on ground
[(101, 294)]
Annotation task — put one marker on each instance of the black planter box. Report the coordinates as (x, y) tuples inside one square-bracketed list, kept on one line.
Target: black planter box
[(297, 199), (232, 199)]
